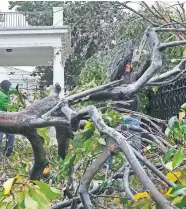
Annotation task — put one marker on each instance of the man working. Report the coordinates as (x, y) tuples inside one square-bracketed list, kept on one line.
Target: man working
[(125, 71), (5, 92)]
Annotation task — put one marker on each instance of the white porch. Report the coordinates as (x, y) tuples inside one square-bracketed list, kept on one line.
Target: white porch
[(36, 45)]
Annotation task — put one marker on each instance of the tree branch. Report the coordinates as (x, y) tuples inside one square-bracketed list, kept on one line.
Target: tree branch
[(67, 203), (170, 29), (129, 8), (177, 69), (50, 121), (63, 136), (44, 105), (153, 168), (80, 95), (40, 159), (119, 174), (163, 83), (151, 11), (145, 133), (126, 181), (125, 147), (171, 44), (90, 173), (156, 61), (124, 92)]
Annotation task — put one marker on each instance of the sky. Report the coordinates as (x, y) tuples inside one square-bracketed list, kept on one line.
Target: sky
[(4, 5)]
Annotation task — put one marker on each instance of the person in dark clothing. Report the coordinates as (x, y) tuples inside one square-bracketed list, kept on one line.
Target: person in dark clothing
[(5, 92), (125, 71)]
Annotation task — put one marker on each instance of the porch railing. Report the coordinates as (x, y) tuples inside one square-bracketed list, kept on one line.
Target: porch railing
[(25, 19)]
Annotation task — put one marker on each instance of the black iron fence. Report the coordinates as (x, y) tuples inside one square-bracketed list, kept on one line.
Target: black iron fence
[(166, 102), (25, 19)]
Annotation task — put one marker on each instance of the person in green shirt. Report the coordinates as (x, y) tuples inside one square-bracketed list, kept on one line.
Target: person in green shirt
[(5, 92)]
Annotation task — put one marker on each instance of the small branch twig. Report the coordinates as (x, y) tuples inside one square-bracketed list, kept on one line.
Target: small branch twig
[(129, 8), (126, 181), (170, 29), (171, 44), (177, 69), (163, 83), (153, 168)]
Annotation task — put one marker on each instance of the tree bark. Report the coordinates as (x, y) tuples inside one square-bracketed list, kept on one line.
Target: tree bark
[(40, 159)]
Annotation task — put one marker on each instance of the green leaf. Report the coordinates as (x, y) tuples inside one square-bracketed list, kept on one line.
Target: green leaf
[(103, 185), (172, 121), (69, 159), (1, 193), (184, 52), (55, 190), (124, 200), (167, 131), (78, 140), (155, 89), (182, 204), (88, 133), (43, 203), (101, 141), (20, 197), (143, 203), (183, 106), (11, 205), (41, 194), (87, 144), (168, 154), (8, 184), (178, 158), (47, 191), (30, 203), (88, 124), (3, 205), (43, 132), (177, 200), (178, 190)]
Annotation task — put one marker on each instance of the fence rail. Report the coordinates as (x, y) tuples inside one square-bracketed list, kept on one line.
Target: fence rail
[(24, 19), (167, 101)]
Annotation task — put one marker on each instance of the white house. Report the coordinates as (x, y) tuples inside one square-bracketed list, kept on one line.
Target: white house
[(24, 45), (21, 77)]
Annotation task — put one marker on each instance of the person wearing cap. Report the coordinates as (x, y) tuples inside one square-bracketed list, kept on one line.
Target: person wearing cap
[(5, 93)]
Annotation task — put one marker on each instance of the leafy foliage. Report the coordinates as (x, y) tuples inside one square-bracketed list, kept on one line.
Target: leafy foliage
[(93, 71), (99, 29), (176, 130), (27, 194)]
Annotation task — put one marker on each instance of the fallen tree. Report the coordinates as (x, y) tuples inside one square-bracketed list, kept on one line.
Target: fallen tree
[(52, 111)]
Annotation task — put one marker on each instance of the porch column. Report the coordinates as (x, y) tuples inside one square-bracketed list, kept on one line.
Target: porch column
[(58, 70), (57, 16)]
